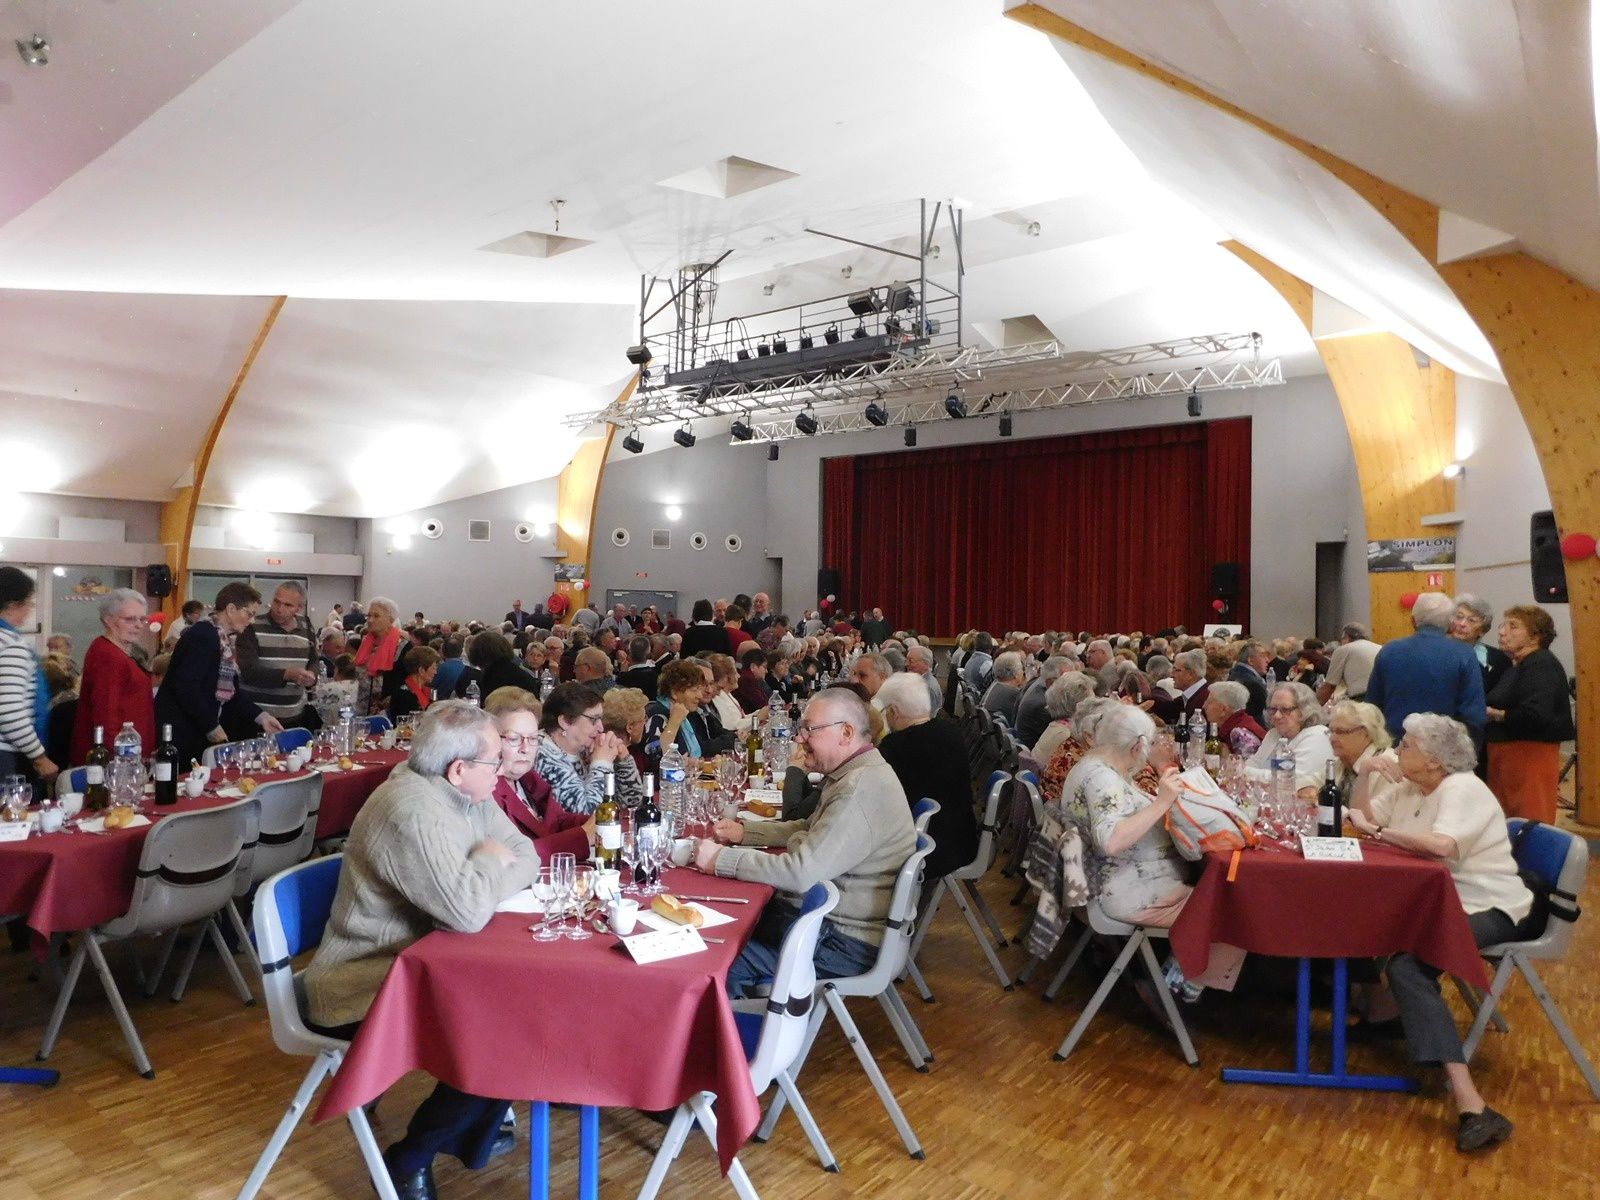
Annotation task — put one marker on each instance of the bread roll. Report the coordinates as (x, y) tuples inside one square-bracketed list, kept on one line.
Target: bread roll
[(677, 911)]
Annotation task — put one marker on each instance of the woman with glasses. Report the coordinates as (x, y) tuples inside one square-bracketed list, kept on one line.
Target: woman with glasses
[(1356, 731), (521, 792), (673, 718), (114, 687), (576, 753), (1530, 715), (1296, 718)]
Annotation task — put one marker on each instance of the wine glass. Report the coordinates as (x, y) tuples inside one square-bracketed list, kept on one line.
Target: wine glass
[(661, 857), (562, 868), (544, 891), (648, 840), (582, 889), (629, 854)]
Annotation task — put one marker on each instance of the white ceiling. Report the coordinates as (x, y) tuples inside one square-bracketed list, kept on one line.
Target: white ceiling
[(355, 157)]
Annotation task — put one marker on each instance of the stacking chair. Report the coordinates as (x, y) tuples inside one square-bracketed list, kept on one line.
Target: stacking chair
[(774, 1042), (922, 813), (1138, 942), (286, 830), (378, 724), (186, 875), (961, 884), (1561, 861), (290, 740), (291, 913), (878, 982), (74, 780)]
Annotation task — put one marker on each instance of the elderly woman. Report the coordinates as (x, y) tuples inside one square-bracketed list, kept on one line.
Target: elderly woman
[(1159, 668), (1134, 870), (673, 717), (1061, 700), (576, 752), (533, 656), (1356, 731), (114, 688), (521, 792), (622, 710), (1225, 707), (383, 652), (418, 691), (1440, 810), (1078, 742), (1471, 623), (1296, 719), (725, 682), (1530, 715)]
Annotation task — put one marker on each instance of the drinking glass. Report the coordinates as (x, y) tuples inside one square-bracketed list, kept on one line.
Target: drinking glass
[(629, 854), (563, 867), (544, 891), (582, 889), (648, 840), (661, 857), (14, 799)]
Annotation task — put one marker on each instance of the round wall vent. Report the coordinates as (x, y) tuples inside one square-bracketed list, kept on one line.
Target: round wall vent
[(697, 541), (523, 532), (433, 528), (734, 543), (619, 536)]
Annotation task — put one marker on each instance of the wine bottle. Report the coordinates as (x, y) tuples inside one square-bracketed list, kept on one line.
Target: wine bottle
[(96, 794), (164, 768), (753, 751), (647, 818), (1330, 807), (1180, 735), (608, 825), (1213, 749)]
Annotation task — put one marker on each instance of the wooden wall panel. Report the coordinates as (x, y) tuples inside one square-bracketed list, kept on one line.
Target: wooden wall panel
[(578, 499)]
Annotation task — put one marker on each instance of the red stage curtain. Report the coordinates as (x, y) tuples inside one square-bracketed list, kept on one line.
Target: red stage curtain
[(1103, 531)]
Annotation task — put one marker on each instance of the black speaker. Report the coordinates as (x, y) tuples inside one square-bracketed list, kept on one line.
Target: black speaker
[(158, 581), (1225, 580), (1544, 555), (828, 582)]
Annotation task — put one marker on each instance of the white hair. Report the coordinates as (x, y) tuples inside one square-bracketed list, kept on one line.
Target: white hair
[(1122, 727), (1442, 739), (1305, 700), (1008, 665), (919, 652), (116, 598), (1193, 661), (1053, 668), (387, 605), (1232, 696), (1433, 610), (906, 694), (1086, 720), (1063, 697), (448, 732)]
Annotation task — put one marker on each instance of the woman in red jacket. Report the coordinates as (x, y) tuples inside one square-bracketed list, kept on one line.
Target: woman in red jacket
[(520, 792), (115, 688)]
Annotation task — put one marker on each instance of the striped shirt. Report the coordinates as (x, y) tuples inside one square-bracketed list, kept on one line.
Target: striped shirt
[(19, 687), (266, 650)]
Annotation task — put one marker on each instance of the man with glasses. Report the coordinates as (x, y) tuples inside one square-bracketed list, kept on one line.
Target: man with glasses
[(429, 850), (859, 836)]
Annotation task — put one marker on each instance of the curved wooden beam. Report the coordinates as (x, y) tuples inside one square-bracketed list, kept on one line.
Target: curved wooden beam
[(177, 514), (578, 499)]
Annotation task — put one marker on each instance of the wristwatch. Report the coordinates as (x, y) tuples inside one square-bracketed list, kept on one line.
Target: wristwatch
[(1378, 836)]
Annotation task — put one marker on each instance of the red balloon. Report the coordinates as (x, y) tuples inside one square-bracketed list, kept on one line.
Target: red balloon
[(1408, 600), (158, 618), (1577, 546), (1219, 605)]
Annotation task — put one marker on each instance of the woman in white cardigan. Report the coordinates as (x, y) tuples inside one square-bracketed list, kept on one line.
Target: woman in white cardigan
[(1296, 718)]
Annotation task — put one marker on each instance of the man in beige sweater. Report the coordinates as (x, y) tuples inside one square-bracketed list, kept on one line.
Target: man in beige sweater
[(859, 837), (426, 852)]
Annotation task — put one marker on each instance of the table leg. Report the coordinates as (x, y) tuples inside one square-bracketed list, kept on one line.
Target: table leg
[(589, 1152), (1302, 1075), (538, 1150)]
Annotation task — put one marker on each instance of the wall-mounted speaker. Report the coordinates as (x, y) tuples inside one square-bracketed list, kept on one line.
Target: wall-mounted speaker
[(433, 528), (1225, 578), (698, 541), (620, 536), (829, 582), (158, 581), (1544, 556)]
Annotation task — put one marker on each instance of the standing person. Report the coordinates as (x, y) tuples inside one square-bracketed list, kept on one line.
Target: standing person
[(200, 696), (875, 630), (24, 694), (760, 614), (704, 635), (192, 611), (1350, 667), (1530, 715), (114, 688), (1251, 671), (383, 651), (1428, 672), (1471, 623), (517, 619), (278, 659), (428, 851)]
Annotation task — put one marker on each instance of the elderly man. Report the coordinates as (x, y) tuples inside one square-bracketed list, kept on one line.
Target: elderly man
[(517, 619), (588, 617), (875, 630), (642, 672), (1428, 672), (1005, 693), (592, 666), (859, 836), (979, 667), (1251, 670), (1032, 715), (617, 621), (277, 655), (1189, 677), (760, 615), (919, 661), (870, 671), (1096, 655), (1351, 664), (1224, 708), (426, 852)]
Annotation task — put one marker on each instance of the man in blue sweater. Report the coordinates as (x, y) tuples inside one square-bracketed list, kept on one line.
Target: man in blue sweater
[(1429, 671)]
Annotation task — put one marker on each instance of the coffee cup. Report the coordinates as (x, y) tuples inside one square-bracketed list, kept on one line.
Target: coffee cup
[(682, 851), (51, 818), (387, 740), (194, 784), (623, 914), (607, 883)]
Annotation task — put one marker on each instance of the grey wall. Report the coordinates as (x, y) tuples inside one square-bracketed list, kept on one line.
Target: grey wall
[(1303, 478), (722, 490), (330, 535), (40, 512), (452, 577)]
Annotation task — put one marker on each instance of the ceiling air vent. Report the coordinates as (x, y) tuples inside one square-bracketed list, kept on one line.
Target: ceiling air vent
[(433, 528), (477, 531), (661, 539)]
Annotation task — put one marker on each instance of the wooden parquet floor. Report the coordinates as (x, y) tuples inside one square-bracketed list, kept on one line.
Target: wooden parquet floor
[(999, 1119)]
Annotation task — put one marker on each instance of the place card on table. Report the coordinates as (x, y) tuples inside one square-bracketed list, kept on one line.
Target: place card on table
[(14, 831), (676, 942), (1331, 849)]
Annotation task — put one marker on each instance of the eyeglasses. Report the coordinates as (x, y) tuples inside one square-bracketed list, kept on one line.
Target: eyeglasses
[(1353, 729), (1279, 708), (482, 762), (806, 729), (597, 718), (518, 740)]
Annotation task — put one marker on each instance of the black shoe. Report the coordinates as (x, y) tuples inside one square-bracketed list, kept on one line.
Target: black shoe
[(505, 1141), (1365, 1032), (411, 1185), (1481, 1129)]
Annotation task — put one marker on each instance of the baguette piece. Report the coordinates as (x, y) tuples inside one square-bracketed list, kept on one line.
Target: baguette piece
[(762, 809), (677, 911)]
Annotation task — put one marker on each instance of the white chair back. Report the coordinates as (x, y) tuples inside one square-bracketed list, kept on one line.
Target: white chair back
[(188, 868), (923, 812), (287, 828), (794, 985), (984, 858), (896, 948)]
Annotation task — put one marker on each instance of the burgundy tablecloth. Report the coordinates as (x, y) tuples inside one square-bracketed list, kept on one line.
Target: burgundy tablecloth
[(1278, 903), (496, 1013), (344, 792)]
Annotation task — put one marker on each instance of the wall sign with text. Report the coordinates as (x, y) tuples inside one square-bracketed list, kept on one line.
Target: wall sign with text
[(1411, 554)]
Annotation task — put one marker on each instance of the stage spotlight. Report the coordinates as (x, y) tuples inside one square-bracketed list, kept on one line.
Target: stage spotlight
[(763, 350), (831, 335), (684, 437), (1005, 425), (807, 341), (1195, 407), (780, 345), (911, 435), (892, 327), (955, 405), (861, 332), (741, 430), (632, 444), (743, 354), (900, 296), (639, 355), (862, 303), (806, 422), (772, 451), (876, 414)]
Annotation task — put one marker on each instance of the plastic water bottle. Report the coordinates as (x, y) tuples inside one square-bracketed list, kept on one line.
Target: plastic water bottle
[(474, 694), (674, 774), (1272, 677), (347, 730), (128, 744), (1197, 738), (1283, 789), (547, 682)]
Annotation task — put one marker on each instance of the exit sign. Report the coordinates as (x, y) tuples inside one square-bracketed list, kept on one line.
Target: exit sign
[(1435, 579)]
